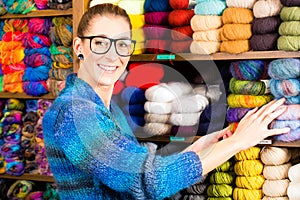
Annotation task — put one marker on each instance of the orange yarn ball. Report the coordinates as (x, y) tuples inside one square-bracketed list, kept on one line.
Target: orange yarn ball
[(180, 17)]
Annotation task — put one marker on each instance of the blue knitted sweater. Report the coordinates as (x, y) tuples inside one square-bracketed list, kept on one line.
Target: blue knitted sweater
[(94, 155)]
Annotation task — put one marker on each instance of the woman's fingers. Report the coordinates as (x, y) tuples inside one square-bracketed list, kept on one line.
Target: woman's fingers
[(271, 116), (278, 131), (268, 109)]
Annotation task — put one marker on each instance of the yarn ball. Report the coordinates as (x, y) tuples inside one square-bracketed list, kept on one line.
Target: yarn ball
[(264, 42), (189, 104), (250, 182), (206, 22), (180, 17), (289, 28), (276, 172), (180, 46), (248, 167), (290, 2), (212, 7), (237, 16), (247, 87), (222, 178), (219, 190), (240, 4), (252, 153), (266, 25), (181, 33), (36, 73), (267, 8), (271, 155), (158, 18), (275, 188), (241, 193), (275, 198), (284, 68), (132, 7), (182, 4), (209, 35), (248, 101), (290, 13), (197, 188), (133, 95), (293, 173), (236, 114), (293, 190), (235, 46), (290, 136), (205, 48), (236, 32), (158, 107), (137, 21), (288, 43), (225, 167), (249, 69), (153, 129), (184, 119), (285, 88), (35, 88), (156, 5), (292, 112), (160, 118)]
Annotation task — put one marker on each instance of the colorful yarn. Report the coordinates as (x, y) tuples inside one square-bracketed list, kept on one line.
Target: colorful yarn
[(249, 69), (248, 168), (19, 6), (271, 155), (12, 68), (61, 54), (20, 189), (285, 68), (3, 10), (157, 5), (290, 13), (237, 86), (39, 25), (59, 74), (41, 4), (266, 25), (59, 65), (13, 36), (16, 25), (180, 17), (157, 18), (15, 77), (248, 101), (35, 88), (32, 40), (13, 87), (250, 182), (14, 167), (285, 88), (252, 153), (264, 42), (237, 16), (212, 7), (236, 114), (14, 104), (36, 73)]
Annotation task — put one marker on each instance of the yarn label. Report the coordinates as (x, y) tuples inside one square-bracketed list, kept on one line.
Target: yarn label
[(165, 57), (267, 84), (265, 142), (192, 4), (174, 138)]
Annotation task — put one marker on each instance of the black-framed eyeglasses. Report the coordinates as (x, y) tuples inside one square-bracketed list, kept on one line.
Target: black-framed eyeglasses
[(101, 45)]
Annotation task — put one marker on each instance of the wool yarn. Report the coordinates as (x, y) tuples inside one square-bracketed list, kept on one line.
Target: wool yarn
[(252, 153), (156, 5), (266, 8), (181, 33), (219, 190), (241, 4), (19, 6), (277, 172), (249, 69), (248, 101), (134, 109), (225, 167), (290, 13), (237, 16), (280, 185), (284, 68), (182, 4), (184, 119), (180, 46), (203, 47), (285, 88), (293, 191), (153, 129), (35, 88), (293, 173), (266, 25), (292, 112), (241, 193), (236, 114), (189, 104), (265, 42), (205, 22), (222, 178), (195, 197), (198, 188), (237, 86), (289, 28), (133, 95), (236, 32), (290, 2), (275, 198), (212, 7), (158, 107), (290, 136), (235, 46), (39, 25), (180, 17), (271, 155), (36, 73), (133, 7), (157, 18), (250, 182), (288, 43), (248, 167), (209, 35)]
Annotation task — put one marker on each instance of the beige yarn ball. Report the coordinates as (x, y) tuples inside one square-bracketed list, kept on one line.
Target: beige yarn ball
[(209, 35), (275, 198), (294, 174), (267, 8), (205, 22), (157, 107), (276, 172), (202, 47), (271, 155), (153, 129), (240, 4), (275, 188), (152, 117)]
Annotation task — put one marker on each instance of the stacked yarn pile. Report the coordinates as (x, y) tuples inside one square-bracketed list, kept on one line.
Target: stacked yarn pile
[(277, 163), (265, 25), (196, 191), (136, 12), (222, 181), (11, 149), (181, 31), (61, 35), (37, 56), (249, 179), (289, 39), (41, 4), (293, 188), (206, 24), (248, 90), (19, 6), (12, 54), (157, 29), (3, 10), (285, 82), (59, 4), (236, 31)]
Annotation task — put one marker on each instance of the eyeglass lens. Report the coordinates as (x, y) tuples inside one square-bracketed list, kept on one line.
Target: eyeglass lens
[(101, 45)]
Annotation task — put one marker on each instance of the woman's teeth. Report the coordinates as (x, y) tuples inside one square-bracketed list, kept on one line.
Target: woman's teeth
[(108, 68)]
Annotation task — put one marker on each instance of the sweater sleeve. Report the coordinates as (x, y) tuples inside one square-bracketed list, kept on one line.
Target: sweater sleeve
[(96, 144)]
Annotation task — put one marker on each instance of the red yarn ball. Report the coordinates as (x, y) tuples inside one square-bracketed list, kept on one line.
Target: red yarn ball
[(182, 33), (181, 46), (179, 4), (180, 17), (157, 46)]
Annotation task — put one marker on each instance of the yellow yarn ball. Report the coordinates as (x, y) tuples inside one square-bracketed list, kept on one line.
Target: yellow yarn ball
[(252, 153), (235, 46), (237, 16), (245, 194), (137, 21), (248, 168), (250, 182), (236, 32)]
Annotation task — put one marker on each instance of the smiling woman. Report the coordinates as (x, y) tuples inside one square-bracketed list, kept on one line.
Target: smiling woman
[(92, 151)]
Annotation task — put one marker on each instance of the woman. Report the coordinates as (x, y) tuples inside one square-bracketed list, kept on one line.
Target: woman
[(92, 151)]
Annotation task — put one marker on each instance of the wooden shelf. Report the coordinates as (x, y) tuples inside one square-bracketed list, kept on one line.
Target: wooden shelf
[(7, 95), (217, 56), (30, 177), (39, 13)]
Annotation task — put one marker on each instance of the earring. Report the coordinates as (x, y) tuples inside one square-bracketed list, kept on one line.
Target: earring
[(80, 56)]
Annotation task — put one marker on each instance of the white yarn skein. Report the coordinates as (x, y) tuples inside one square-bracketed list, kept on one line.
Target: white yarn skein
[(157, 107), (271, 155), (275, 188), (240, 4), (276, 172), (293, 191), (267, 8), (189, 104), (294, 174)]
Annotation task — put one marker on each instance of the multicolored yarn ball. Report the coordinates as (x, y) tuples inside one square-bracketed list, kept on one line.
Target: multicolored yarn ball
[(277, 172), (271, 155), (212, 7), (249, 69), (250, 182), (19, 6), (61, 54), (284, 68), (236, 114), (157, 5), (35, 88), (252, 153), (275, 188), (248, 101), (33, 40), (237, 86), (285, 88), (39, 25)]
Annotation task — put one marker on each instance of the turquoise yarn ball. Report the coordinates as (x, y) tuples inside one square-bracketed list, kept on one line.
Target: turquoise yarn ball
[(284, 68), (248, 69), (285, 88), (212, 7)]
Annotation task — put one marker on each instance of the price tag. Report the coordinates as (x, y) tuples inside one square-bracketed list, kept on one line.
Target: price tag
[(165, 56), (174, 138), (265, 142)]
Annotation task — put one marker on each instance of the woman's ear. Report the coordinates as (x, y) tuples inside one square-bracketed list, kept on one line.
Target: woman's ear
[(77, 46)]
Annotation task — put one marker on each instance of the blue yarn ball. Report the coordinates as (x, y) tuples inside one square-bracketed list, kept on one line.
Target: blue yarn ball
[(36, 73), (211, 7), (293, 135), (133, 95), (134, 109), (35, 88), (285, 88), (248, 69), (292, 124), (284, 68), (157, 6)]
